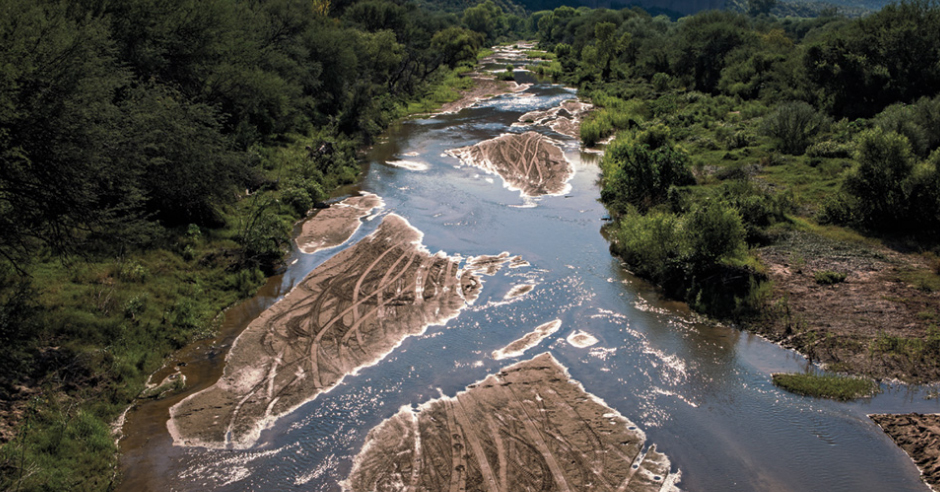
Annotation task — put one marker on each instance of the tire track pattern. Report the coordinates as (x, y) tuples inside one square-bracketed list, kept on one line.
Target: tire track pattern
[(348, 313), (529, 162), (527, 428)]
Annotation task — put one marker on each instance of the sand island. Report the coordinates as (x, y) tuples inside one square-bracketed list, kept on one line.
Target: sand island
[(347, 314), (527, 428), (529, 162)]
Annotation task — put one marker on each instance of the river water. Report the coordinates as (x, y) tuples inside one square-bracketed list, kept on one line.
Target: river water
[(701, 391)]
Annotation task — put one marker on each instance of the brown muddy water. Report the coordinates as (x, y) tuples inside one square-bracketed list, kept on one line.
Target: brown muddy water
[(700, 391)]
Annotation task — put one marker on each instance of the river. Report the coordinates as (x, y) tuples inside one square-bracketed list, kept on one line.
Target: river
[(702, 391)]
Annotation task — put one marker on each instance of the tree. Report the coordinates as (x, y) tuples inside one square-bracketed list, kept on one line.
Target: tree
[(879, 180), (457, 45), (760, 7), (608, 45)]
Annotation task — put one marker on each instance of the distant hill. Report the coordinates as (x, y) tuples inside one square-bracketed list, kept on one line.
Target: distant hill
[(674, 8)]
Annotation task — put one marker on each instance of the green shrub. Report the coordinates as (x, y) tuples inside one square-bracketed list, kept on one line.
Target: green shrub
[(297, 199), (793, 125), (829, 149), (639, 170), (878, 181), (840, 388), (661, 81), (828, 277)]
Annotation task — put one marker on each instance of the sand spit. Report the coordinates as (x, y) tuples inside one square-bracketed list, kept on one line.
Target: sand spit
[(919, 436), (529, 162), (347, 314), (333, 226), (529, 340), (527, 428)]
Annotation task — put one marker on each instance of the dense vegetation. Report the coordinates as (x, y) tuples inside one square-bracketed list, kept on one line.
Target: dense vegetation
[(153, 157), (838, 118)]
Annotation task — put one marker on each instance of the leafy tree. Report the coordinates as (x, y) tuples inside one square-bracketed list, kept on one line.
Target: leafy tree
[(457, 45), (890, 56), (878, 181), (760, 7), (704, 40)]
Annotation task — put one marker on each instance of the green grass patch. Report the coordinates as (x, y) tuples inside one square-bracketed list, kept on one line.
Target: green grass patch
[(925, 280), (828, 277), (446, 89), (842, 388)]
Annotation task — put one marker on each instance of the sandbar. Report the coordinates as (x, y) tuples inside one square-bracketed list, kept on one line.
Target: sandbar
[(529, 427), (529, 162), (581, 339), (519, 290), (333, 226), (529, 340), (348, 313), (919, 436)]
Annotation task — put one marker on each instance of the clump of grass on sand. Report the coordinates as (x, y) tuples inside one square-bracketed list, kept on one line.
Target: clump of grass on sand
[(842, 388)]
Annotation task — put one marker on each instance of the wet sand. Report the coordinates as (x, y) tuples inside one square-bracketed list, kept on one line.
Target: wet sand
[(529, 162), (919, 436), (529, 427), (348, 313), (333, 226), (529, 340)]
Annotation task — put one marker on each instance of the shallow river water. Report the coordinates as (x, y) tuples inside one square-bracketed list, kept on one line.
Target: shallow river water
[(701, 391)]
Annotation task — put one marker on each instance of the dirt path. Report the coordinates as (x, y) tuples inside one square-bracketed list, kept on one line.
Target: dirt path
[(529, 427)]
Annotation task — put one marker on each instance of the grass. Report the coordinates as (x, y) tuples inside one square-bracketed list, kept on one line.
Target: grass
[(828, 277), (841, 388)]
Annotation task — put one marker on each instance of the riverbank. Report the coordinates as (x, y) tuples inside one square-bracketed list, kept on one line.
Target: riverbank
[(859, 304)]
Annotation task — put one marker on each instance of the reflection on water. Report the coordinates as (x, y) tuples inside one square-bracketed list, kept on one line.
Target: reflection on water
[(700, 390)]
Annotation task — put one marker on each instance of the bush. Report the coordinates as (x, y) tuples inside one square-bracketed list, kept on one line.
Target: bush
[(828, 277), (639, 171), (661, 81), (829, 149), (297, 199), (900, 119), (794, 124), (714, 233), (878, 181)]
